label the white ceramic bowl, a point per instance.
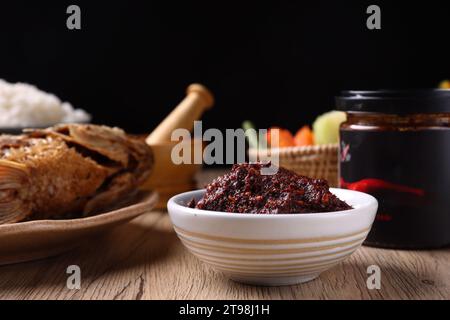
(273, 249)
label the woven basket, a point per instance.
(319, 161)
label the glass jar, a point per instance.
(395, 145)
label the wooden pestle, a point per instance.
(197, 100)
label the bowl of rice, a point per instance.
(23, 106)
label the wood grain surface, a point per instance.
(144, 259)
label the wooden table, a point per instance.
(145, 260)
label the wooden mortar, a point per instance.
(168, 178)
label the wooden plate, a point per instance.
(39, 239)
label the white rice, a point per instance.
(24, 105)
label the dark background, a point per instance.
(277, 63)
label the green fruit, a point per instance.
(326, 127)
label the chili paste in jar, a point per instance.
(395, 145)
(246, 190)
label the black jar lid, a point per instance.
(395, 101)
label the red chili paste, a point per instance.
(246, 190)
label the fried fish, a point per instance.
(68, 169)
